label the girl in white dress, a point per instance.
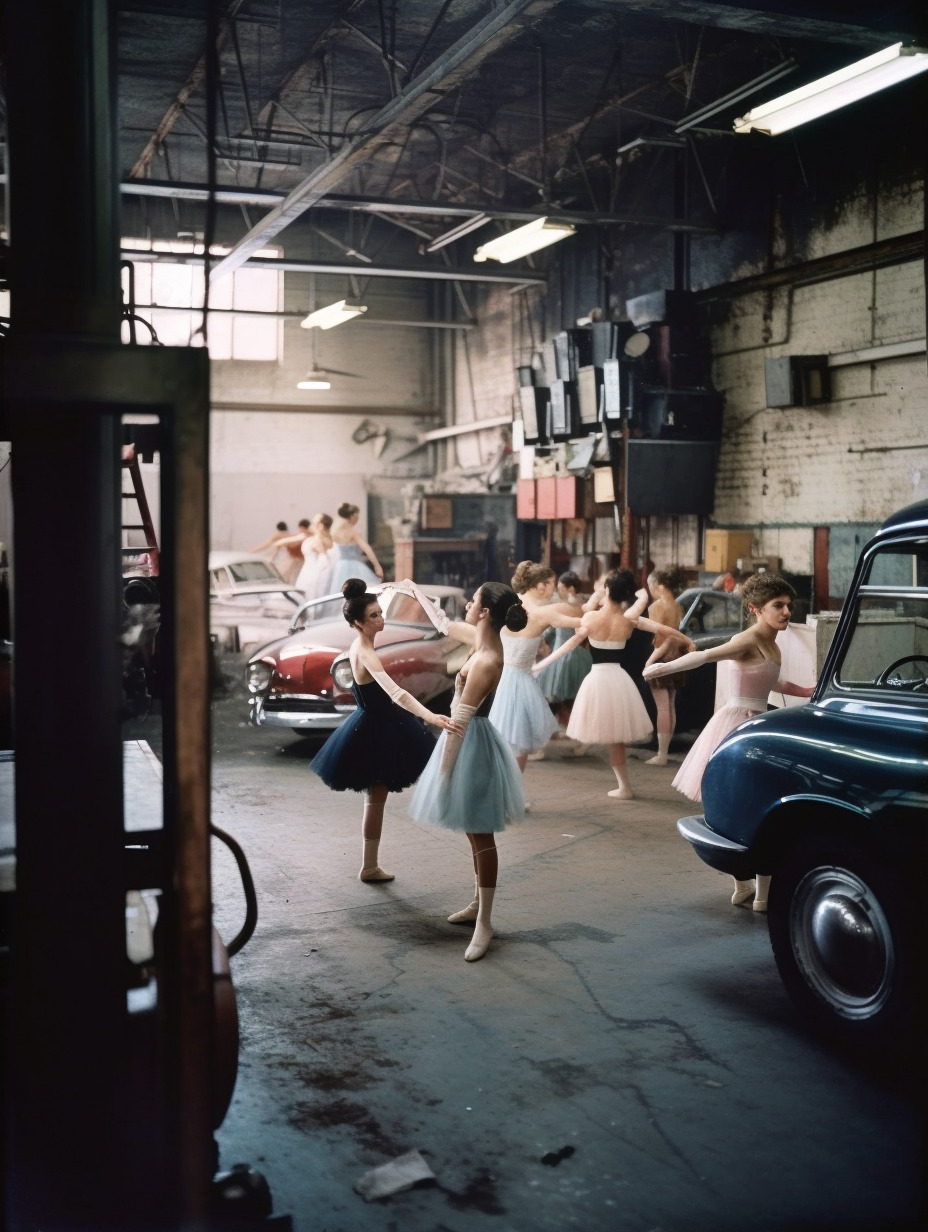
(316, 575)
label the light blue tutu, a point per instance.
(482, 794)
(520, 713)
(348, 561)
(562, 679)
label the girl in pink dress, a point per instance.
(755, 673)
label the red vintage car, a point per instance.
(299, 683)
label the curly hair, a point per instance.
(760, 588)
(502, 602)
(671, 578)
(528, 574)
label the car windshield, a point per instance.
(888, 645)
(251, 571)
(403, 609)
(714, 610)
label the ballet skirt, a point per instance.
(379, 743)
(750, 684)
(608, 708)
(480, 791)
(562, 679)
(520, 712)
(348, 561)
(315, 577)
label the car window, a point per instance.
(404, 610)
(218, 580)
(714, 611)
(251, 571)
(888, 645)
(321, 609)
(906, 565)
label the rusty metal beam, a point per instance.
(453, 67)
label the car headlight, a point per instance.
(258, 676)
(341, 674)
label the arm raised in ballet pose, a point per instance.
(365, 661)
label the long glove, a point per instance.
(695, 658)
(462, 715)
(432, 610)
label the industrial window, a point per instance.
(168, 295)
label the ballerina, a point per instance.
(667, 611)
(472, 782)
(755, 673)
(608, 708)
(381, 748)
(314, 578)
(349, 550)
(520, 712)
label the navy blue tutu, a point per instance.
(482, 794)
(381, 743)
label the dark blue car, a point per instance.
(831, 798)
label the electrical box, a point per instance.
(797, 380)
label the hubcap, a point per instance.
(842, 942)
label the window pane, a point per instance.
(889, 646)
(256, 289)
(171, 285)
(220, 336)
(253, 338)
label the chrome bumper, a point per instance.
(716, 851)
(308, 720)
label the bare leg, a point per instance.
(617, 762)
(371, 827)
(666, 721)
(486, 862)
(469, 913)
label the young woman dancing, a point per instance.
(561, 683)
(520, 712)
(666, 611)
(755, 673)
(472, 783)
(381, 747)
(608, 708)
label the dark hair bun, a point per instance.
(516, 617)
(354, 588)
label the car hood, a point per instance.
(330, 637)
(846, 749)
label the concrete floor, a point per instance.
(627, 1021)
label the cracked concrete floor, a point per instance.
(627, 1022)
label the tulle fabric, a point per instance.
(520, 712)
(746, 682)
(315, 578)
(561, 681)
(608, 708)
(348, 561)
(483, 792)
(380, 743)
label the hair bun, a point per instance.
(353, 588)
(516, 617)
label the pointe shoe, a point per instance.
(759, 904)
(466, 915)
(763, 889)
(538, 755)
(620, 793)
(659, 759)
(581, 750)
(483, 935)
(743, 891)
(375, 874)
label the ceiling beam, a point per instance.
(455, 65)
(762, 20)
(395, 205)
(434, 273)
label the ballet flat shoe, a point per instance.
(375, 874)
(741, 897)
(466, 915)
(477, 949)
(760, 904)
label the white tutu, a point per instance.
(520, 712)
(608, 708)
(483, 792)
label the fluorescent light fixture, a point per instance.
(314, 380)
(847, 85)
(332, 314)
(534, 235)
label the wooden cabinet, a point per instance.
(525, 499)
(549, 498)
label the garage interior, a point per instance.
(759, 302)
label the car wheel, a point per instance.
(844, 940)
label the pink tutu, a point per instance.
(608, 708)
(688, 778)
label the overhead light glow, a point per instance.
(332, 314)
(538, 233)
(314, 380)
(847, 85)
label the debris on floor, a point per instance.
(553, 1158)
(394, 1177)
